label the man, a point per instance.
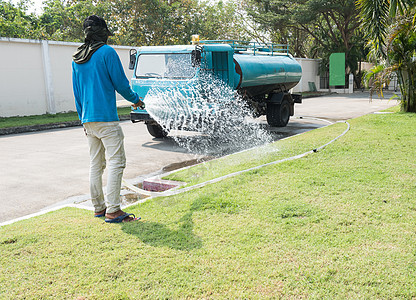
(97, 74)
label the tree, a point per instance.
(401, 53)
(15, 22)
(314, 28)
(157, 22)
(392, 34)
(62, 20)
(376, 16)
(220, 20)
(133, 22)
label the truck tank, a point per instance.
(261, 74)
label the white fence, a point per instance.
(35, 76)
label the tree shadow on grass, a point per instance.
(159, 235)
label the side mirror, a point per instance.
(196, 57)
(133, 53)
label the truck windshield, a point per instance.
(172, 66)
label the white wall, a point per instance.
(27, 88)
(22, 86)
(310, 71)
(60, 62)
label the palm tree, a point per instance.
(401, 53)
(392, 35)
(376, 16)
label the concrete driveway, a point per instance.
(39, 170)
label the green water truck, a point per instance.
(262, 75)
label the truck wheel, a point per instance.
(278, 115)
(156, 130)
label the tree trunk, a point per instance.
(412, 91)
(407, 89)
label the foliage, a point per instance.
(62, 20)
(15, 22)
(376, 16)
(156, 22)
(221, 21)
(401, 54)
(393, 43)
(377, 78)
(133, 22)
(313, 28)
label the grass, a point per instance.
(335, 224)
(7, 122)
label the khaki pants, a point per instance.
(106, 142)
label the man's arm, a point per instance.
(119, 79)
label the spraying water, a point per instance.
(211, 108)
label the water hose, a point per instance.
(173, 192)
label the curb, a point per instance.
(42, 127)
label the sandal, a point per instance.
(122, 218)
(100, 214)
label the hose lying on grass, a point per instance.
(202, 184)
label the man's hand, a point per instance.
(139, 104)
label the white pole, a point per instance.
(50, 101)
(351, 84)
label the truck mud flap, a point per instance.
(135, 117)
(297, 98)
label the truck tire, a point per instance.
(278, 115)
(156, 130)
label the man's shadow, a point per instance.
(159, 235)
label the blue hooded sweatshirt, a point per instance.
(95, 83)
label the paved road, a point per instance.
(38, 170)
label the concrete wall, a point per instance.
(22, 82)
(35, 76)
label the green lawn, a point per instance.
(47, 118)
(336, 224)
